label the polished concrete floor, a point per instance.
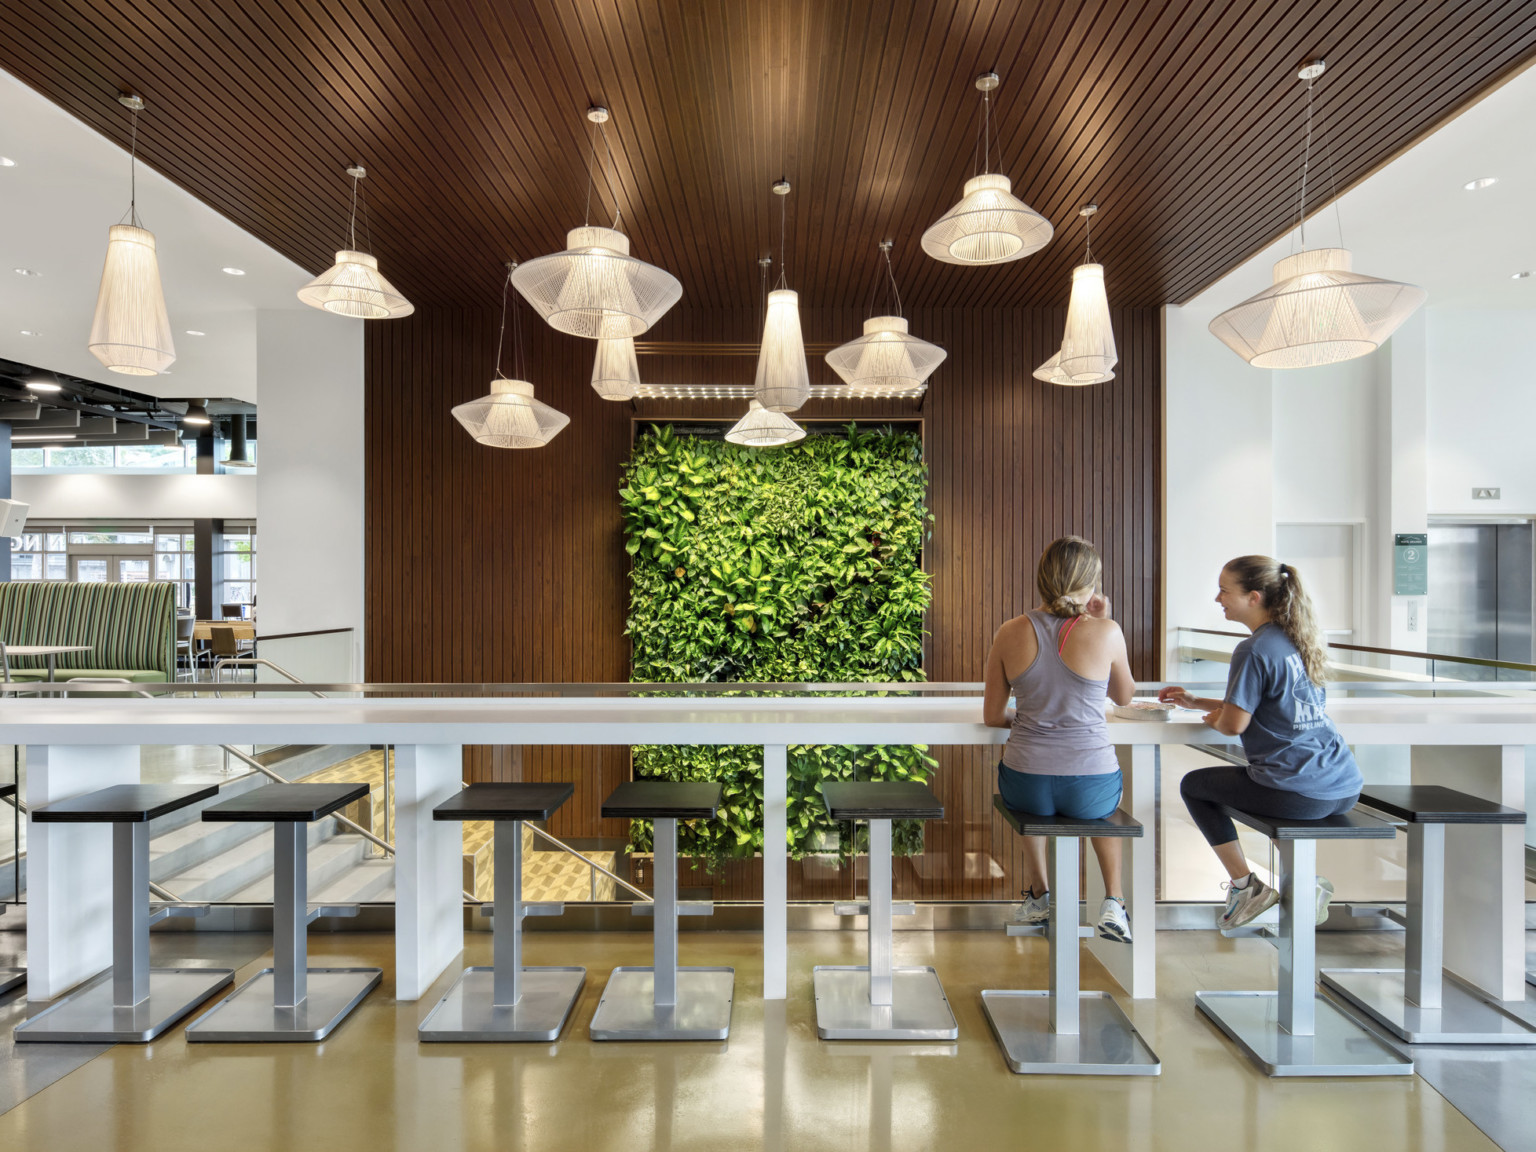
(772, 1085)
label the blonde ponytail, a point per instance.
(1290, 608)
(1068, 576)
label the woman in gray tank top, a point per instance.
(1061, 662)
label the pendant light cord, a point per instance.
(890, 279)
(1088, 229)
(618, 212)
(502, 334)
(983, 146)
(352, 219)
(1306, 160)
(133, 170)
(783, 262)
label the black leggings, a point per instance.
(1206, 788)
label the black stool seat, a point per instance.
(1349, 826)
(664, 799)
(881, 800)
(122, 804)
(1117, 823)
(505, 802)
(1432, 804)
(286, 803)
(6, 790)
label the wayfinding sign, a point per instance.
(1410, 564)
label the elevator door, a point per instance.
(1480, 596)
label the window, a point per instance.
(235, 566)
(39, 554)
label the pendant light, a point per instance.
(1318, 310)
(595, 288)
(131, 332)
(783, 381)
(352, 286)
(616, 370)
(510, 417)
(239, 446)
(764, 428)
(1087, 354)
(990, 225)
(886, 360)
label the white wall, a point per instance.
(94, 496)
(310, 479)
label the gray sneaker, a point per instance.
(1113, 922)
(1324, 895)
(1246, 903)
(1034, 910)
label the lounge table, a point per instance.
(51, 651)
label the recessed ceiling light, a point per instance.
(27, 272)
(30, 332)
(195, 332)
(43, 386)
(234, 271)
(1520, 276)
(7, 162)
(1480, 183)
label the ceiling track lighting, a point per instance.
(353, 286)
(783, 381)
(887, 360)
(1318, 310)
(1087, 354)
(510, 417)
(131, 332)
(595, 288)
(990, 225)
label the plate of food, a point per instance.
(1144, 710)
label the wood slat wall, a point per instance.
(487, 565)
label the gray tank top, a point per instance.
(1058, 725)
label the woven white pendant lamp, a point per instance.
(764, 428)
(990, 225)
(783, 380)
(1051, 372)
(616, 369)
(1318, 310)
(131, 332)
(887, 360)
(353, 285)
(595, 288)
(510, 417)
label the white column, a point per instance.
(429, 866)
(69, 867)
(1133, 965)
(1484, 867)
(1402, 483)
(775, 872)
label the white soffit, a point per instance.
(1414, 221)
(68, 185)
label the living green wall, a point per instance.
(801, 563)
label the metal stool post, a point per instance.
(11, 977)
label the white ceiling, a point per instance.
(67, 187)
(1413, 220)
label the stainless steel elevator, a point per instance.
(1481, 595)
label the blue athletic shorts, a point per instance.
(1081, 797)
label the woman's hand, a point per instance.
(1177, 696)
(1210, 719)
(1098, 606)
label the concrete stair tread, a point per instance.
(223, 876)
(342, 875)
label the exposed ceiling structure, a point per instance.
(1180, 118)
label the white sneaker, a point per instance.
(1034, 910)
(1324, 894)
(1113, 922)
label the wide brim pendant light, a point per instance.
(887, 360)
(616, 370)
(1051, 372)
(510, 417)
(595, 288)
(990, 225)
(763, 428)
(1318, 310)
(783, 380)
(131, 330)
(353, 285)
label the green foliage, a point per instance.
(792, 565)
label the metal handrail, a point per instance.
(1474, 660)
(590, 863)
(253, 661)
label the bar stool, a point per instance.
(289, 1001)
(878, 1001)
(665, 1002)
(131, 1002)
(1296, 1031)
(1416, 1003)
(10, 977)
(1065, 1030)
(506, 1001)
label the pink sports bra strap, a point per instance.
(1065, 632)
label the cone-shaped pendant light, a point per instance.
(595, 288)
(131, 332)
(1087, 354)
(510, 417)
(616, 370)
(783, 381)
(1318, 310)
(990, 225)
(762, 428)
(886, 360)
(353, 286)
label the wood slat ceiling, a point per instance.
(1180, 118)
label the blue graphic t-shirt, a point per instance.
(1290, 742)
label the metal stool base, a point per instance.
(11, 978)
(1106, 1044)
(89, 1016)
(918, 1010)
(628, 1010)
(248, 1016)
(1340, 1046)
(1464, 1016)
(469, 1012)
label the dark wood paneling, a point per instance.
(487, 565)
(1181, 118)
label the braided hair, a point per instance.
(1290, 608)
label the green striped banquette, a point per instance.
(131, 628)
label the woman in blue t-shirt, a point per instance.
(1299, 767)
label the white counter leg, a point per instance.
(775, 872)
(69, 867)
(429, 866)
(1133, 965)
